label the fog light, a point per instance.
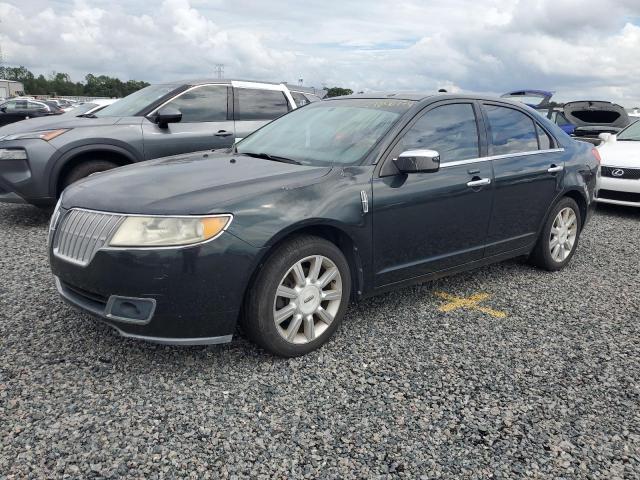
(132, 310)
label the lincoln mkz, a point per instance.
(333, 202)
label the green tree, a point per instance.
(59, 83)
(338, 92)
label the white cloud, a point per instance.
(579, 48)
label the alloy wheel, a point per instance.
(564, 232)
(307, 299)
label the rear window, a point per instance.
(511, 131)
(254, 104)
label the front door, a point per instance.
(427, 222)
(528, 173)
(206, 124)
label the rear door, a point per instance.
(206, 123)
(528, 171)
(426, 222)
(255, 107)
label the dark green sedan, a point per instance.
(333, 202)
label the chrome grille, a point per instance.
(81, 233)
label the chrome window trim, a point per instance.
(499, 157)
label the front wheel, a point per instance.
(559, 238)
(299, 297)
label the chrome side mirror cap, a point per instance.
(415, 161)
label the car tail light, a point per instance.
(596, 154)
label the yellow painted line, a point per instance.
(471, 303)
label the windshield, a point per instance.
(80, 109)
(136, 102)
(326, 133)
(632, 132)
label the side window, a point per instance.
(9, 106)
(202, 104)
(36, 106)
(451, 130)
(254, 104)
(544, 140)
(300, 99)
(511, 131)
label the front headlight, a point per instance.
(168, 231)
(42, 135)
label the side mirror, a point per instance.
(167, 115)
(414, 161)
(607, 137)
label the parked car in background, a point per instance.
(157, 121)
(592, 118)
(63, 104)
(619, 181)
(87, 109)
(18, 109)
(584, 119)
(338, 200)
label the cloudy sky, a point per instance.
(579, 48)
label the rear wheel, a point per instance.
(559, 238)
(299, 297)
(85, 169)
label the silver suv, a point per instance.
(41, 156)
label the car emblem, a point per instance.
(618, 172)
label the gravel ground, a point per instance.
(550, 391)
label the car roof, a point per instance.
(417, 97)
(226, 81)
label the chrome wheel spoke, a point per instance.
(294, 327)
(332, 295)
(325, 316)
(314, 271)
(286, 292)
(284, 313)
(309, 327)
(298, 275)
(328, 276)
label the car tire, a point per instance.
(559, 237)
(291, 308)
(85, 169)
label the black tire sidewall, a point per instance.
(259, 322)
(87, 168)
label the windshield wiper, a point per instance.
(274, 158)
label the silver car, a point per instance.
(40, 157)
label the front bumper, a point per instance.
(197, 291)
(619, 191)
(27, 180)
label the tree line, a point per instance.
(60, 84)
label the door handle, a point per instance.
(479, 183)
(555, 168)
(223, 133)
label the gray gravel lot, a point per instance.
(403, 390)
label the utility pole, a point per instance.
(300, 82)
(219, 70)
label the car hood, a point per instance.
(193, 184)
(587, 113)
(53, 122)
(623, 153)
